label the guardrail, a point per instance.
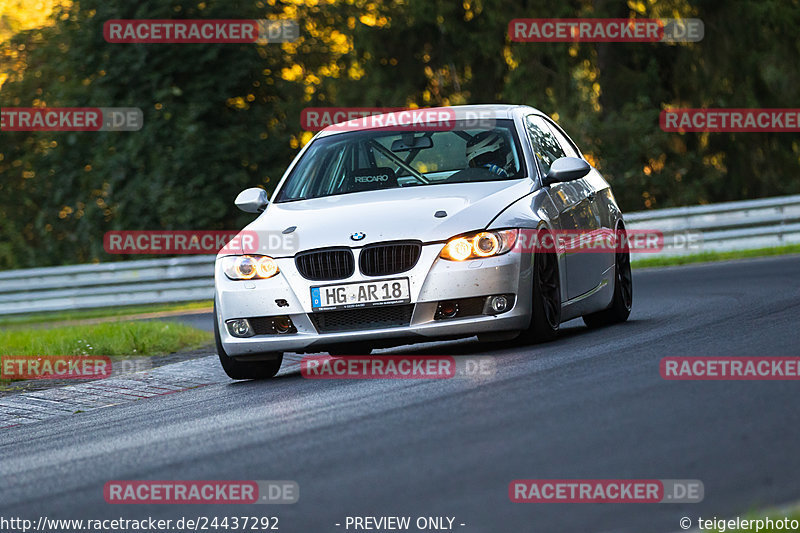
(744, 225)
(148, 281)
(727, 226)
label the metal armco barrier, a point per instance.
(745, 225)
(149, 281)
(728, 226)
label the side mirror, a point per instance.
(566, 169)
(253, 200)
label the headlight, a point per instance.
(479, 245)
(249, 267)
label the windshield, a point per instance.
(380, 159)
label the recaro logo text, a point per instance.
(371, 179)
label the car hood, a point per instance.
(387, 215)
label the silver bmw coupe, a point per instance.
(410, 229)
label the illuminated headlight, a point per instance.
(479, 245)
(238, 267)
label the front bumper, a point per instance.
(432, 280)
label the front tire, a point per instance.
(246, 369)
(546, 300)
(621, 304)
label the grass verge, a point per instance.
(137, 338)
(59, 316)
(775, 515)
(708, 257)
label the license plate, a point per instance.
(362, 294)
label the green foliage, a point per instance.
(220, 118)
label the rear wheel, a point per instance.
(266, 367)
(620, 308)
(546, 303)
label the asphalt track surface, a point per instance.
(590, 405)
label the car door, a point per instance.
(546, 150)
(575, 204)
(586, 267)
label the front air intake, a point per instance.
(389, 258)
(326, 264)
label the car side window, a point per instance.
(568, 147)
(545, 146)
